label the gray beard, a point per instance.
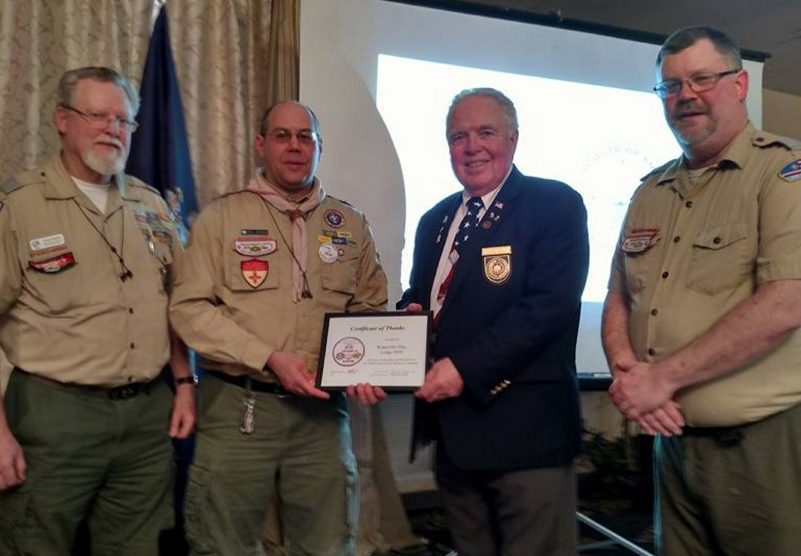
(104, 167)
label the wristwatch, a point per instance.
(191, 379)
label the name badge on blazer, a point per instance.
(497, 263)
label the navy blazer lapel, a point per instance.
(494, 218)
(440, 227)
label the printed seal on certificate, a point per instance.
(348, 351)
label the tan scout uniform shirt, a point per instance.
(65, 312)
(691, 253)
(236, 323)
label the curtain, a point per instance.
(233, 58)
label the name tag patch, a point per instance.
(639, 240)
(39, 243)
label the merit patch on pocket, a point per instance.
(54, 264)
(254, 272)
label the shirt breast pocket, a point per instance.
(719, 259)
(338, 281)
(58, 283)
(639, 264)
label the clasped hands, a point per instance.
(643, 394)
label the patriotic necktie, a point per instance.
(466, 226)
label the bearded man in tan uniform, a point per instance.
(85, 256)
(262, 268)
(701, 320)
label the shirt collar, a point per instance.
(489, 197)
(736, 154)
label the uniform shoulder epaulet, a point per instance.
(347, 204)
(658, 170)
(136, 182)
(763, 139)
(230, 193)
(11, 184)
(21, 180)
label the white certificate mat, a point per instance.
(383, 349)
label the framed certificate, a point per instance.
(383, 349)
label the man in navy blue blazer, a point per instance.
(502, 265)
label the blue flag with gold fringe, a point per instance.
(159, 148)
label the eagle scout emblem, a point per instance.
(328, 253)
(334, 218)
(639, 240)
(497, 263)
(791, 172)
(254, 272)
(53, 264)
(255, 246)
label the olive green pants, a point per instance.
(299, 451)
(731, 492)
(89, 457)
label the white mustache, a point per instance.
(109, 139)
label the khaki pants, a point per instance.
(731, 492)
(89, 457)
(299, 452)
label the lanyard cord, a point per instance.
(126, 272)
(306, 293)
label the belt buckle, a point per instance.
(123, 392)
(280, 392)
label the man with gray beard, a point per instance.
(85, 259)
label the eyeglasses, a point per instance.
(100, 121)
(284, 136)
(698, 83)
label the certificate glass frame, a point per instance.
(389, 349)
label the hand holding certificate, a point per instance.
(389, 350)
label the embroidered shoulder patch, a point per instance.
(791, 172)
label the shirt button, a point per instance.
(665, 274)
(688, 204)
(716, 240)
(133, 345)
(651, 351)
(676, 239)
(130, 310)
(654, 312)
(130, 379)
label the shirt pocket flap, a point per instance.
(720, 236)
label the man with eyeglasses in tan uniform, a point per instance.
(85, 255)
(262, 268)
(701, 320)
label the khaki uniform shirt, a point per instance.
(232, 300)
(691, 253)
(65, 312)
